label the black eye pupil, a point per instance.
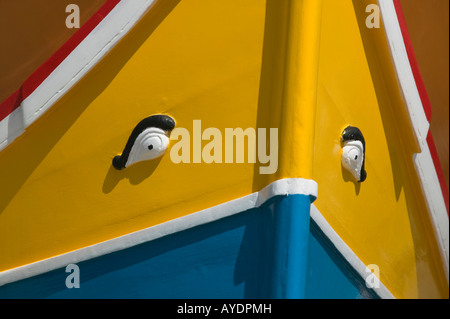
(356, 157)
(150, 147)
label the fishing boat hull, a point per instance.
(199, 149)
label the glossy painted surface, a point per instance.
(428, 28)
(290, 226)
(198, 59)
(384, 219)
(31, 31)
(71, 147)
(215, 79)
(329, 276)
(231, 258)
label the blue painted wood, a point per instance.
(291, 233)
(329, 275)
(228, 258)
(241, 256)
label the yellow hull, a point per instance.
(308, 68)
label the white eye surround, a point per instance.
(353, 153)
(352, 158)
(149, 140)
(151, 143)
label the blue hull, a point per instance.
(275, 251)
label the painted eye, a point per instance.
(353, 158)
(354, 154)
(155, 143)
(148, 140)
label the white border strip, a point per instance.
(403, 67)
(74, 67)
(423, 161)
(346, 252)
(435, 201)
(280, 187)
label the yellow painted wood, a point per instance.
(193, 60)
(196, 59)
(384, 219)
(299, 95)
(252, 63)
(288, 84)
